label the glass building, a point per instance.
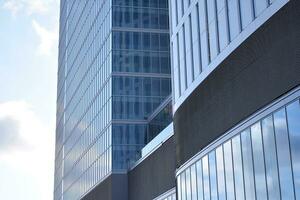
(230, 128)
(257, 159)
(113, 72)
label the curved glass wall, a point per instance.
(205, 32)
(259, 159)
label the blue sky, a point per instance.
(28, 68)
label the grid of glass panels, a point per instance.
(141, 73)
(160, 121)
(83, 145)
(202, 29)
(114, 70)
(260, 162)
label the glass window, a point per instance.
(220, 173)
(137, 40)
(206, 184)
(270, 158)
(183, 187)
(194, 182)
(212, 29)
(238, 168)
(283, 151)
(188, 184)
(164, 42)
(154, 21)
(196, 40)
(229, 171)
(293, 116)
(222, 24)
(233, 14)
(199, 180)
(260, 6)
(146, 41)
(204, 34)
(258, 160)
(247, 13)
(163, 18)
(163, 3)
(213, 176)
(179, 187)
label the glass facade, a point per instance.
(113, 72)
(141, 73)
(259, 159)
(205, 32)
(160, 120)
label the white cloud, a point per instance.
(48, 39)
(28, 130)
(29, 7)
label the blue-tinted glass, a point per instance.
(222, 24)
(199, 180)
(164, 42)
(270, 158)
(220, 173)
(154, 18)
(183, 187)
(154, 3)
(229, 170)
(206, 183)
(163, 3)
(234, 22)
(293, 116)
(179, 187)
(284, 159)
(213, 176)
(194, 182)
(258, 160)
(155, 63)
(146, 18)
(146, 41)
(146, 62)
(154, 41)
(163, 19)
(188, 184)
(247, 14)
(238, 167)
(260, 6)
(136, 16)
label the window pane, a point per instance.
(213, 176)
(206, 178)
(188, 183)
(283, 151)
(259, 6)
(183, 188)
(179, 187)
(293, 113)
(238, 167)
(270, 158)
(229, 171)
(258, 159)
(199, 180)
(233, 14)
(194, 182)
(220, 173)
(222, 23)
(246, 12)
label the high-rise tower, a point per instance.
(114, 71)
